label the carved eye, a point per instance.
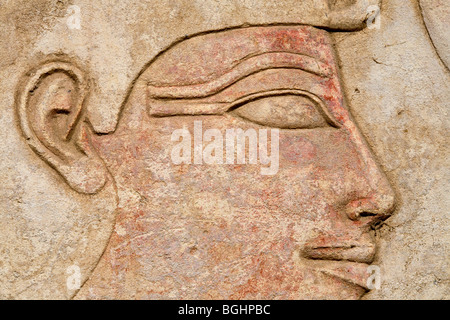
(284, 111)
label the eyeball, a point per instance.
(283, 111)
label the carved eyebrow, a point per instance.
(245, 68)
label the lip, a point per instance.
(347, 261)
(354, 273)
(363, 253)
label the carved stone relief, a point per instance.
(226, 230)
(231, 167)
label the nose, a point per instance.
(379, 201)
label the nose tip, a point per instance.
(379, 206)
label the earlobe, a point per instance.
(50, 108)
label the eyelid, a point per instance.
(322, 108)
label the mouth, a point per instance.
(346, 262)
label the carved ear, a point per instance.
(50, 110)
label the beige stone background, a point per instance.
(396, 84)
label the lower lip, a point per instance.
(354, 273)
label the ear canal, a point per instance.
(50, 107)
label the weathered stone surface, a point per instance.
(436, 15)
(399, 93)
(91, 185)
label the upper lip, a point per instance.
(332, 248)
(363, 253)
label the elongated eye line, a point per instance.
(182, 107)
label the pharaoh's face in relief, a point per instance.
(198, 229)
(225, 230)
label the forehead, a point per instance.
(209, 72)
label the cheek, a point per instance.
(327, 149)
(325, 163)
(297, 150)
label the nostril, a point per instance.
(370, 209)
(356, 215)
(372, 219)
(367, 214)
